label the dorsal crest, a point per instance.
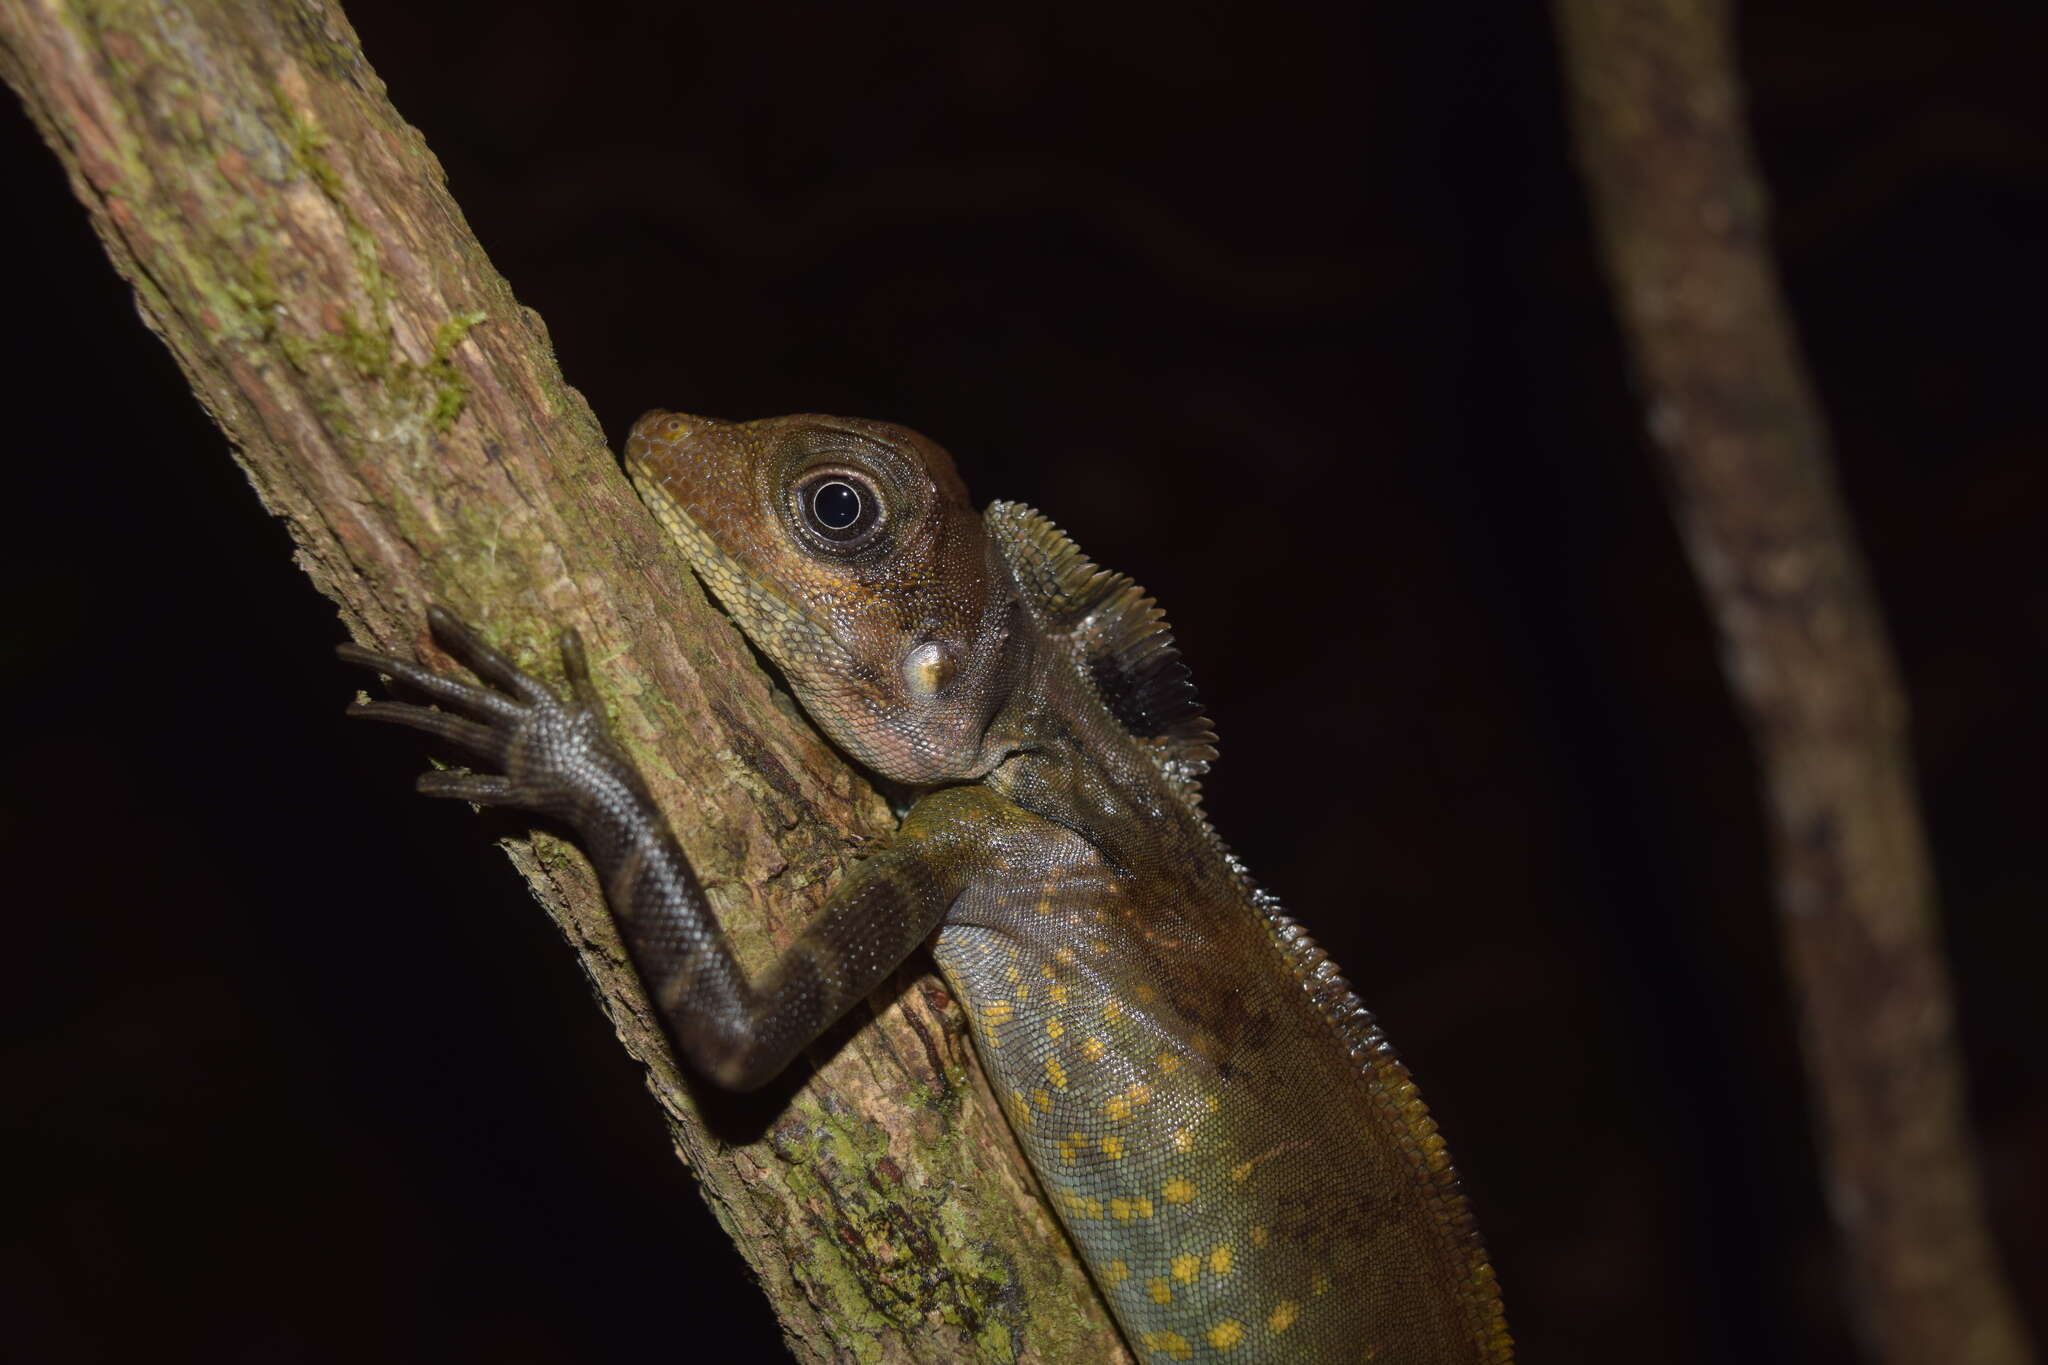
(1118, 640)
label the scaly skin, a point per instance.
(1243, 1163)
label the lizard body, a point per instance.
(1242, 1162)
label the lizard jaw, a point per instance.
(779, 627)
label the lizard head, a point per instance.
(847, 551)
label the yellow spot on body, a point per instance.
(1116, 1108)
(1159, 1289)
(1020, 1107)
(1056, 1073)
(1219, 1259)
(1052, 887)
(1211, 1103)
(997, 1011)
(1054, 1028)
(1059, 992)
(1113, 1147)
(1186, 1267)
(1081, 1205)
(1123, 1210)
(1170, 1344)
(1116, 1272)
(1139, 1092)
(1283, 1315)
(1023, 994)
(1259, 1235)
(1013, 976)
(1063, 955)
(1179, 1190)
(1146, 995)
(1041, 1099)
(1143, 1205)
(1241, 1173)
(1112, 1010)
(1093, 1049)
(1225, 1335)
(1046, 971)
(1072, 1145)
(1096, 945)
(1319, 1283)
(1183, 1141)
(1168, 1063)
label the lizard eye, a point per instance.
(835, 506)
(839, 508)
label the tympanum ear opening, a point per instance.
(928, 668)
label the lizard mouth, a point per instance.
(657, 438)
(657, 459)
(654, 455)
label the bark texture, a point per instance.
(1681, 215)
(292, 242)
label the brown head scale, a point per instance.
(848, 552)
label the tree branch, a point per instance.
(291, 240)
(1680, 211)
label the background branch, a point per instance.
(291, 241)
(1681, 214)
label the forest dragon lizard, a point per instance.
(1245, 1166)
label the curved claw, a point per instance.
(442, 688)
(469, 649)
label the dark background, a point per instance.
(1289, 313)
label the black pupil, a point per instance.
(836, 505)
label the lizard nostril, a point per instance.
(661, 423)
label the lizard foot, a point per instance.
(542, 753)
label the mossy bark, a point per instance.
(1680, 209)
(292, 242)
